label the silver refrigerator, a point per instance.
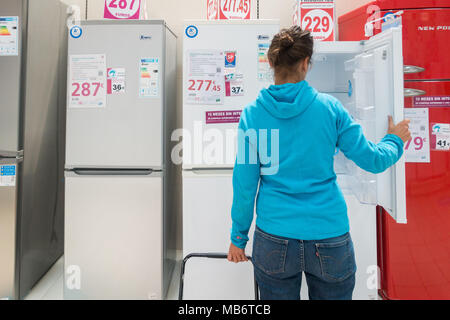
(33, 53)
(121, 109)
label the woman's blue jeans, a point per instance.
(329, 266)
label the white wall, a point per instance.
(174, 12)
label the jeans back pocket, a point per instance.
(269, 252)
(337, 259)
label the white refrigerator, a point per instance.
(119, 229)
(367, 77)
(213, 50)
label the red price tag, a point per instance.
(317, 17)
(122, 9)
(418, 143)
(212, 9)
(86, 89)
(319, 22)
(203, 85)
(234, 9)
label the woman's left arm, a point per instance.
(246, 177)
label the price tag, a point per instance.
(206, 81)
(234, 85)
(116, 80)
(87, 80)
(234, 9)
(203, 85)
(418, 148)
(228, 9)
(212, 10)
(443, 142)
(122, 9)
(441, 136)
(318, 17)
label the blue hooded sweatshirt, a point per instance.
(298, 195)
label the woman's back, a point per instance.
(298, 195)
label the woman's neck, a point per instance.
(296, 78)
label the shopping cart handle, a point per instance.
(210, 256)
(207, 256)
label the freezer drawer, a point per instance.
(207, 199)
(113, 233)
(8, 227)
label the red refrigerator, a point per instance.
(414, 259)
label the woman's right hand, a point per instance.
(401, 129)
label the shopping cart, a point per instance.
(209, 256)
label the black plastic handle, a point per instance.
(208, 256)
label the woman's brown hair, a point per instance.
(290, 47)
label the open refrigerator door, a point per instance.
(367, 77)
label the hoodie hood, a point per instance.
(287, 100)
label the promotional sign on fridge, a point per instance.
(316, 16)
(413, 259)
(120, 112)
(31, 149)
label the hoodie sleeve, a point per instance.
(367, 155)
(246, 177)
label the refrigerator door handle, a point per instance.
(413, 69)
(414, 92)
(113, 172)
(11, 154)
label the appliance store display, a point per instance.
(119, 232)
(32, 91)
(108, 142)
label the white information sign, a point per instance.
(418, 148)
(149, 78)
(87, 81)
(9, 39)
(206, 78)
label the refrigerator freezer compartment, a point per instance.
(207, 202)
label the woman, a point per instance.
(302, 223)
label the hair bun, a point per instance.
(286, 41)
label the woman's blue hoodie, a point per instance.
(298, 194)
